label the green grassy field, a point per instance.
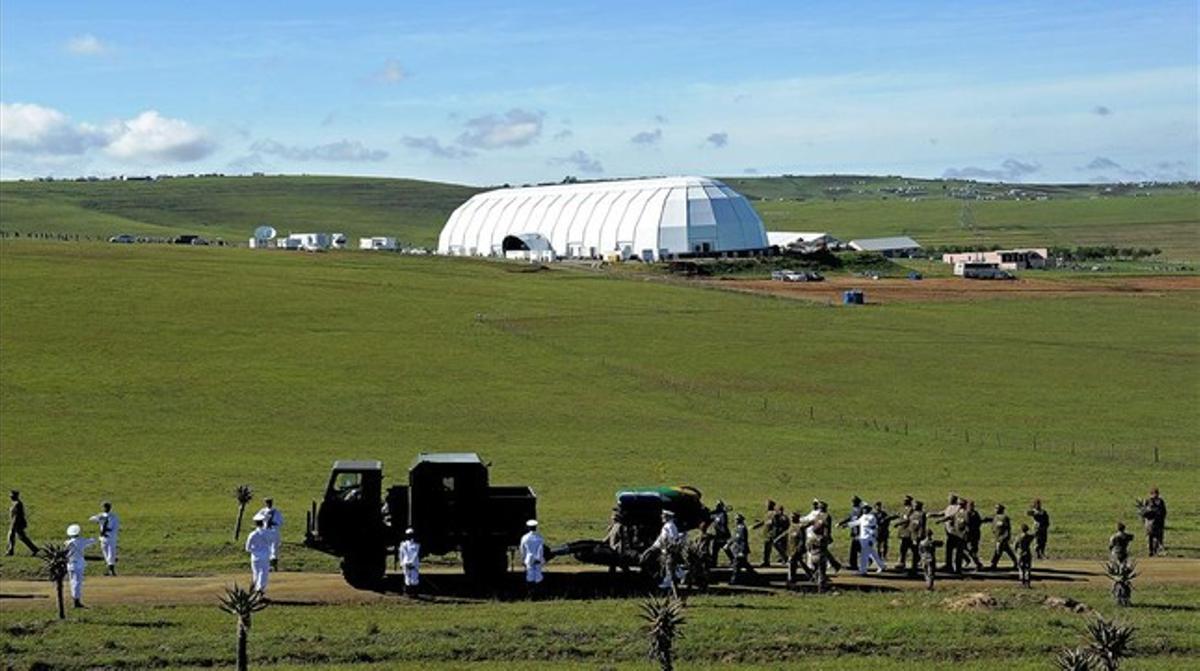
(162, 376)
(846, 631)
(1166, 216)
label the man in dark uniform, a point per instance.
(795, 534)
(719, 532)
(1002, 533)
(1041, 527)
(916, 531)
(17, 524)
(855, 511)
(884, 529)
(974, 529)
(902, 532)
(1154, 515)
(1025, 555)
(1118, 544)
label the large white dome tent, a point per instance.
(647, 218)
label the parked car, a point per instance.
(123, 239)
(190, 239)
(987, 274)
(796, 276)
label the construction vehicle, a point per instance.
(448, 502)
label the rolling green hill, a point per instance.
(935, 212)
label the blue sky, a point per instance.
(483, 93)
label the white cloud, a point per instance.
(515, 128)
(151, 137)
(87, 45)
(32, 129)
(341, 151)
(1009, 171)
(718, 140)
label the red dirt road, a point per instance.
(940, 289)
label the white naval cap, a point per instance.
(531, 523)
(73, 530)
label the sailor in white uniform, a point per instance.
(258, 544)
(75, 562)
(110, 524)
(867, 524)
(533, 553)
(274, 521)
(410, 561)
(670, 543)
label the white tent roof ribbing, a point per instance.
(671, 215)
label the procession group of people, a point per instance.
(802, 542)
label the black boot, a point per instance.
(79, 604)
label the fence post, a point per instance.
(1156, 454)
(810, 413)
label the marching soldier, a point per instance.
(17, 524)
(883, 530)
(670, 544)
(617, 539)
(719, 532)
(826, 522)
(927, 549)
(974, 531)
(738, 549)
(768, 536)
(796, 541)
(1041, 527)
(904, 533)
(848, 522)
(953, 537)
(917, 525)
(1025, 555)
(1002, 532)
(1152, 509)
(110, 524)
(1118, 544)
(75, 562)
(816, 542)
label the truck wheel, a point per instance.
(485, 564)
(364, 570)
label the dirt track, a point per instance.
(566, 581)
(957, 289)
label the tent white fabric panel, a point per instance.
(662, 216)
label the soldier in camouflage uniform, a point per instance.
(1118, 544)
(1025, 555)
(795, 539)
(1002, 533)
(767, 526)
(916, 531)
(1041, 527)
(718, 533)
(816, 543)
(927, 550)
(738, 549)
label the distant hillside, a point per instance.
(935, 212)
(231, 207)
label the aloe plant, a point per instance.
(664, 617)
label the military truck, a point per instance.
(448, 502)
